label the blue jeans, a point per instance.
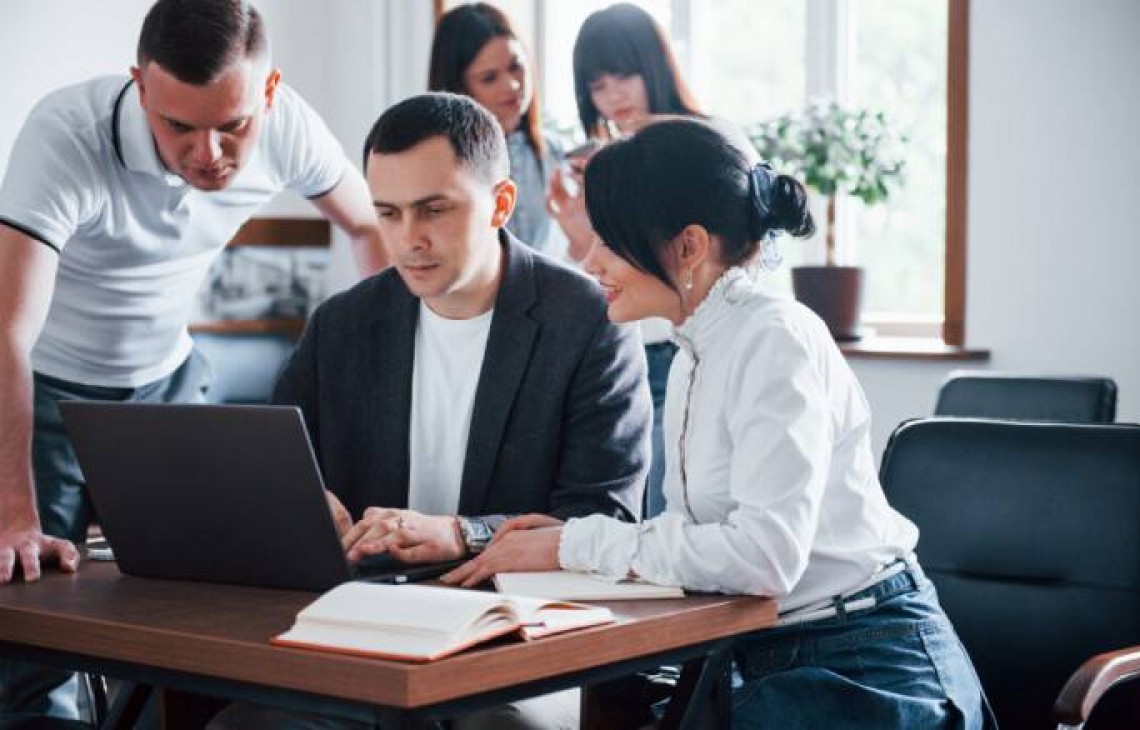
(659, 356)
(28, 690)
(896, 665)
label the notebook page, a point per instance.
(573, 586)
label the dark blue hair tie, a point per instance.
(761, 180)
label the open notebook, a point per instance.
(423, 623)
(566, 585)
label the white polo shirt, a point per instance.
(135, 241)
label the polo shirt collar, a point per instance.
(134, 142)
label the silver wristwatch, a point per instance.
(476, 533)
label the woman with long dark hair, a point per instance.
(477, 52)
(625, 72)
(770, 480)
(626, 76)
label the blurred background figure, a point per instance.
(477, 52)
(625, 76)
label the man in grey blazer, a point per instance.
(473, 380)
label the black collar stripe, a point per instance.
(116, 139)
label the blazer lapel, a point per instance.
(394, 347)
(509, 345)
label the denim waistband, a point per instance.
(910, 578)
(905, 575)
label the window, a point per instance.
(749, 60)
(899, 65)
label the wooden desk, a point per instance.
(213, 640)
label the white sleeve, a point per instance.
(52, 184)
(308, 158)
(779, 423)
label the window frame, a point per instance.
(827, 49)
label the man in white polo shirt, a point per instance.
(118, 195)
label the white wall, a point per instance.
(1054, 257)
(1053, 282)
(38, 52)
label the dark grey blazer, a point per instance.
(562, 412)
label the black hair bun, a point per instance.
(790, 210)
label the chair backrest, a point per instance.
(1031, 534)
(987, 394)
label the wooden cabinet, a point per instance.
(279, 233)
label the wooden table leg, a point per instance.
(186, 711)
(620, 704)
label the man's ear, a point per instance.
(506, 193)
(271, 83)
(137, 75)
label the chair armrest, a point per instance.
(1088, 684)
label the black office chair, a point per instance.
(989, 394)
(1031, 534)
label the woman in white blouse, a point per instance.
(770, 481)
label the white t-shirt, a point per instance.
(135, 241)
(448, 360)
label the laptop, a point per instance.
(216, 493)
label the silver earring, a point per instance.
(689, 281)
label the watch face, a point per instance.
(481, 530)
(476, 533)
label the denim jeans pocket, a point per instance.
(757, 658)
(956, 673)
(890, 657)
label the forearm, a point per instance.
(348, 206)
(17, 490)
(610, 500)
(733, 556)
(578, 243)
(368, 251)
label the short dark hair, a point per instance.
(474, 133)
(460, 35)
(624, 40)
(197, 40)
(641, 192)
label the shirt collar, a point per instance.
(699, 328)
(134, 143)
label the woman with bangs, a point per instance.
(625, 73)
(476, 52)
(771, 484)
(625, 77)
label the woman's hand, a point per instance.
(406, 535)
(569, 211)
(525, 522)
(524, 544)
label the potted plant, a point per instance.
(834, 150)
